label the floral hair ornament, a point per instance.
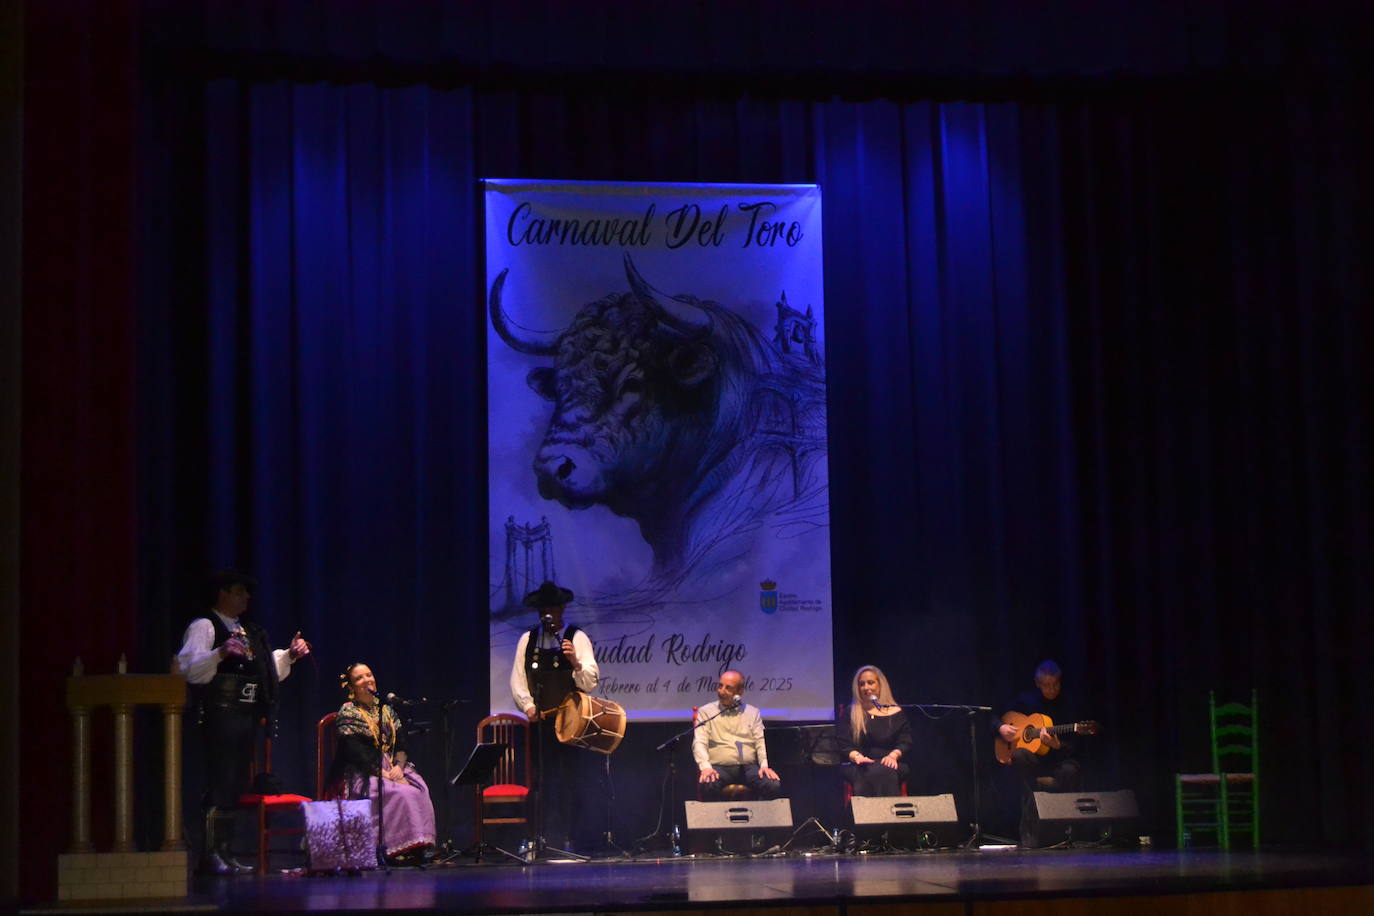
(346, 677)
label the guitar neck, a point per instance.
(1058, 730)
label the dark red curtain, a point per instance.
(78, 525)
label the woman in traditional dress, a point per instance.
(875, 736)
(372, 744)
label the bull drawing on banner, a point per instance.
(679, 414)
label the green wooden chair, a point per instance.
(1224, 802)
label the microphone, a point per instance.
(550, 629)
(877, 704)
(395, 700)
(241, 636)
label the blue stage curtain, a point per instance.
(1093, 366)
(343, 355)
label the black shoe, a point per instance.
(239, 867)
(213, 865)
(217, 859)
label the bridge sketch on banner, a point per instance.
(657, 402)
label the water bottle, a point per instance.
(677, 841)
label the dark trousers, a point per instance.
(575, 796)
(747, 775)
(227, 736)
(875, 779)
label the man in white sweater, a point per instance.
(728, 745)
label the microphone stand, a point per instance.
(975, 838)
(674, 834)
(382, 863)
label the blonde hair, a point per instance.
(857, 722)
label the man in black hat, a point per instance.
(551, 662)
(233, 674)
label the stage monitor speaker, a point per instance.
(926, 821)
(1085, 816)
(738, 826)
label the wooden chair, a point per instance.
(841, 714)
(325, 733)
(1226, 798)
(510, 784)
(267, 805)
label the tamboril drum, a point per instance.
(590, 722)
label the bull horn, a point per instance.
(683, 314)
(536, 343)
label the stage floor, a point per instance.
(958, 881)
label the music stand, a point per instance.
(477, 773)
(818, 746)
(822, 745)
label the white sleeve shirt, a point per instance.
(199, 659)
(585, 679)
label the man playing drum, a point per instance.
(551, 662)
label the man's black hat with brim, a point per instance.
(225, 579)
(548, 595)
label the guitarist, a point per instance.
(1060, 764)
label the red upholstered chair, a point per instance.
(267, 805)
(325, 735)
(510, 786)
(849, 790)
(841, 713)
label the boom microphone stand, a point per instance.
(976, 836)
(674, 835)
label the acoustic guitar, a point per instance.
(1030, 731)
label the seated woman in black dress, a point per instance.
(875, 736)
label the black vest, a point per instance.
(548, 672)
(247, 684)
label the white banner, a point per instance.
(657, 423)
